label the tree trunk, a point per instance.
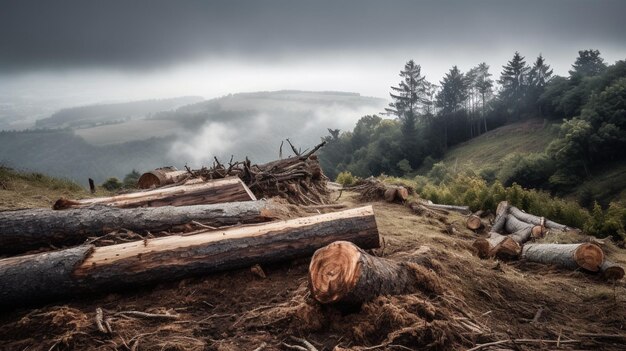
(611, 271)
(160, 177)
(520, 231)
(210, 192)
(461, 209)
(571, 256)
(396, 193)
(501, 213)
(528, 218)
(58, 274)
(28, 229)
(343, 273)
(497, 245)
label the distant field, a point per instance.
(491, 147)
(127, 131)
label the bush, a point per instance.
(130, 180)
(438, 173)
(532, 170)
(112, 184)
(346, 178)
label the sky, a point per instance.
(79, 52)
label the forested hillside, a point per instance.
(583, 122)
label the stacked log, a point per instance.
(298, 179)
(216, 191)
(29, 229)
(161, 177)
(63, 273)
(513, 229)
(372, 189)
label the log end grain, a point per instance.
(473, 222)
(589, 256)
(538, 231)
(612, 272)
(334, 271)
(390, 194)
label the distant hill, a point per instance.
(94, 115)
(247, 124)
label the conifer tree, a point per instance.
(588, 63)
(484, 86)
(407, 99)
(514, 81)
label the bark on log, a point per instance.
(210, 192)
(501, 213)
(396, 193)
(611, 270)
(571, 256)
(532, 219)
(520, 231)
(343, 273)
(461, 209)
(160, 177)
(39, 277)
(28, 229)
(497, 245)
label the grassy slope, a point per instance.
(26, 190)
(607, 183)
(491, 147)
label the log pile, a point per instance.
(24, 230)
(216, 191)
(514, 230)
(372, 189)
(298, 179)
(83, 269)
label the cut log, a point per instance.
(474, 222)
(520, 231)
(372, 189)
(571, 256)
(497, 245)
(611, 270)
(38, 277)
(343, 273)
(501, 213)
(28, 229)
(211, 192)
(461, 209)
(396, 193)
(536, 220)
(160, 177)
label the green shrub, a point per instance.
(130, 180)
(346, 178)
(112, 184)
(532, 170)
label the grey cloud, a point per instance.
(139, 35)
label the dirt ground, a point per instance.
(515, 305)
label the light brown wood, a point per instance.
(83, 269)
(210, 192)
(160, 177)
(497, 245)
(341, 272)
(474, 222)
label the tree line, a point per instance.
(429, 118)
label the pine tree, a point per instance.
(588, 63)
(540, 74)
(484, 86)
(408, 98)
(451, 97)
(514, 81)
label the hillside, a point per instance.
(481, 302)
(490, 148)
(191, 134)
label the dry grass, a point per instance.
(482, 301)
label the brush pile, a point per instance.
(298, 179)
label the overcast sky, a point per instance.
(89, 51)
